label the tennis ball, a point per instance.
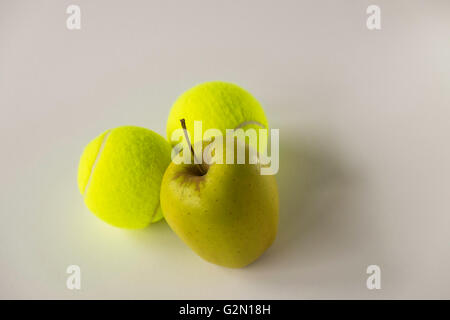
(218, 105)
(120, 174)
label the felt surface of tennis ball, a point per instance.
(219, 105)
(120, 174)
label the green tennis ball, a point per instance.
(218, 105)
(120, 174)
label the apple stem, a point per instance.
(200, 167)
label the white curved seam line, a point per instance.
(95, 162)
(243, 124)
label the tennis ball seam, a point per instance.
(245, 123)
(100, 150)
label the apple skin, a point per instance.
(229, 216)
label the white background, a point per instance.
(364, 129)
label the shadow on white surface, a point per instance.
(322, 235)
